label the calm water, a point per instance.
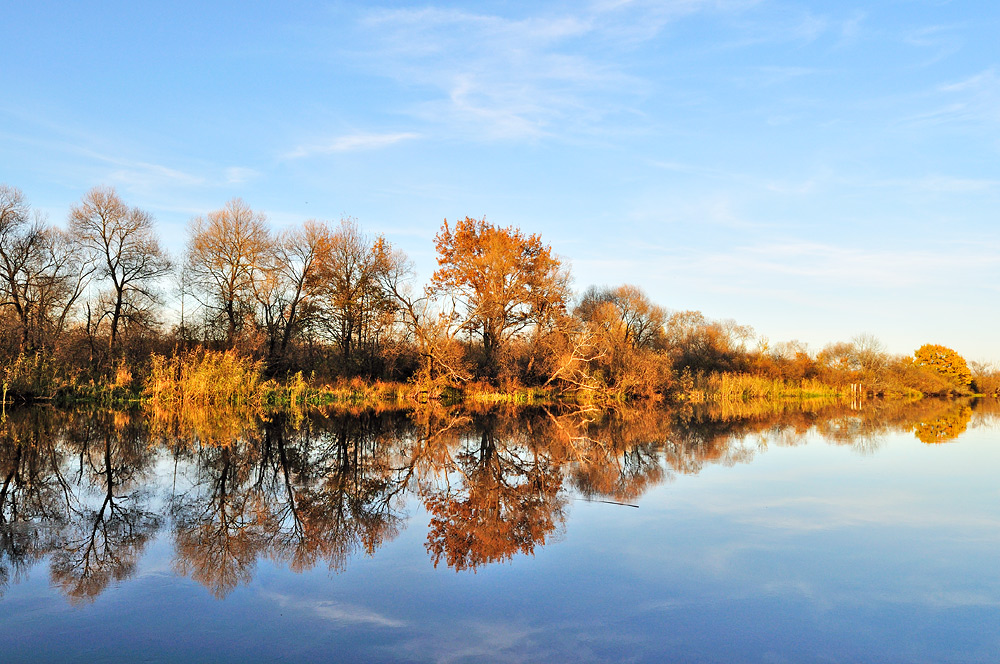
(818, 535)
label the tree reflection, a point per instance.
(89, 490)
(946, 424)
(104, 538)
(320, 491)
(613, 455)
(499, 497)
(33, 497)
(214, 522)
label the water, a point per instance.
(812, 535)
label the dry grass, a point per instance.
(740, 387)
(206, 377)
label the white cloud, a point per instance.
(495, 77)
(351, 143)
(973, 101)
(239, 174)
(826, 263)
(337, 612)
(142, 176)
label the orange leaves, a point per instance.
(503, 280)
(945, 362)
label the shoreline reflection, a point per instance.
(89, 490)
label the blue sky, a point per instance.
(813, 169)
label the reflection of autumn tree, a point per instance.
(944, 425)
(610, 454)
(506, 500)
(865, 429)
(105, 538)
(296, 494)
(695, 443)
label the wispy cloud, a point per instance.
(337, 612)
(497, 77)
(973, 101)
(940, 41)
(352, 143)
(143, 175)
(939, 184)
(152, 179)
(239, 174)
(844, 264)
(768, 76)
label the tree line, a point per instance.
(335, 302)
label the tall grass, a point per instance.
(227, 378)
(34, 376)
(741, 387)
(206, 377)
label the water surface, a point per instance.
(817, 534)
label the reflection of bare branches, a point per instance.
(321, 490)
(215, 543)
(103, 544)
(89, 558)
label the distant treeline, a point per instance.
(83, 307)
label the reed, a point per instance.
(206, 377)
(33, 376)
(742, 387)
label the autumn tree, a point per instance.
(42, 271)
(299, 252)
(228, 251)
(620, 346)
(357, 313)
(124, 245)
(699, 344)
(637, 320)
(946, 363)
(986, 377)
(502, 281)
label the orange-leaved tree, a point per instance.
(502, 280)
(945, 362)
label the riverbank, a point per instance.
(226, 378)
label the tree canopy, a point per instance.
(503, 281)
(945, 362)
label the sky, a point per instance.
(815, 170)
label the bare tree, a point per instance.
(299, 252)
(226, 252)
(21, 245)
(42, 271)
(128, 254)
(355, 309)
(432, 328)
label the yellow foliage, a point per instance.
(206, 377)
